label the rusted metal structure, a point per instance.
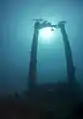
(33, 56)
(68, 54)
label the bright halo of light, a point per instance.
(46, 33)
(49, 35)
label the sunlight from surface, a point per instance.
(48, 35)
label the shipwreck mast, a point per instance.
(68, 54)
(33, 57)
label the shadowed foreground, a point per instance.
(57, 101)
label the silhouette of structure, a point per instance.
(33, 58)
(68, 54)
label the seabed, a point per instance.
(60, 98)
